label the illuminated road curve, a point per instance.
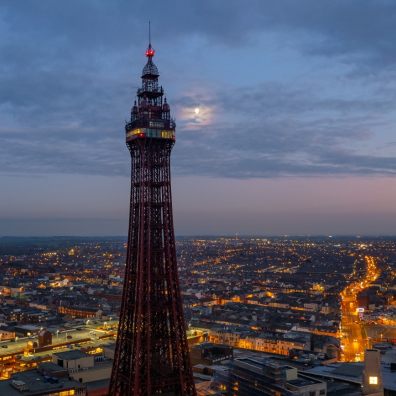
(353, 339)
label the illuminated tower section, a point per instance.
(151, 356)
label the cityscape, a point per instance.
(220, 224)
(311, 303)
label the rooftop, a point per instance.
(31, 383)
(302, 381)
(71, 355)
(352, 373)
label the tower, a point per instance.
(151, 356)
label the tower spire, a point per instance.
(150, 50)
(149, 33)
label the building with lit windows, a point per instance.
(264, 343)
(38, 383)
(252, 376)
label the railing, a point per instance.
(153, 90)
(145, 123)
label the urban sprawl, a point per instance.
(299, 313)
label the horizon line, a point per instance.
(235, 235)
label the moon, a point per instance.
(196, 110)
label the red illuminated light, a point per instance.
(150, 52)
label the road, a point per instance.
(354, 340)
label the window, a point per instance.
(67, 393)
(373, 380)
(167, 134)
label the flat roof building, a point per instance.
(36, 383)
(253, 376)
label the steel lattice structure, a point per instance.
(151, 356)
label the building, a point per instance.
(78, 312)
(151, 355)
(44, 338)
(253, 376)
(279, 344)
(38, 383)
(208, 353)
(74, 360)
(87, 369)
(372, 379)
(353, 374)
(6, 335)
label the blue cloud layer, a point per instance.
(67, 81)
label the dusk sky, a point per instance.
(295, 134)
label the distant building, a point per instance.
(37, 383)
(208, 353)
(6, 335)
(73, 360)
(85, 369)
(44, 338)
(26, 330)
(353, 374)
(264, 343)
(78, 312)
(252, 376)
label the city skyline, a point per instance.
(285, 119)
(302, 302)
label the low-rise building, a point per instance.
(36, 383)
(253, 376)
(74, 360)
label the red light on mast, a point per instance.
(150, 52)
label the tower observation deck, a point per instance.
(151, 355)
(150, 115)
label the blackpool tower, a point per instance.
(151, 355)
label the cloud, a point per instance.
(267, 150)
(277, 130)
(337, 26)
(266, 131)
(67, 79)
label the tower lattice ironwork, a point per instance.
(151, 355)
